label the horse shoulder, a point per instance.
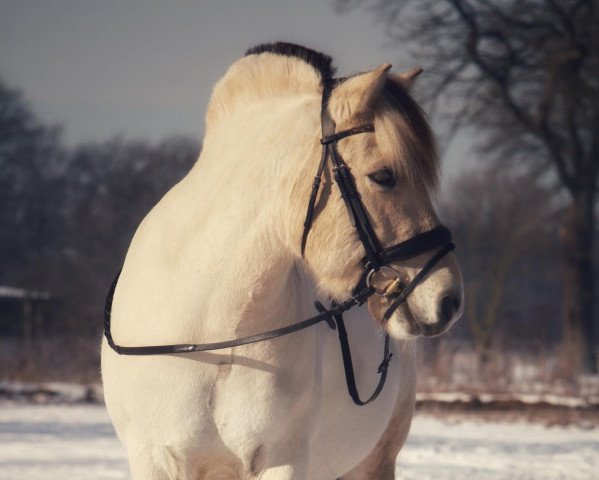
(380, 462)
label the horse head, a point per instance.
(395, 172)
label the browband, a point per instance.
(346, 133)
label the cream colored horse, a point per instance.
(219, 258)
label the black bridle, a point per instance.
(377, 260)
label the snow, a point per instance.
(55, 442)
(77, 442)
(489, 450)
(554, 400)
(50, 392)
(14, 292)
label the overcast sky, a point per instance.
(144, 68)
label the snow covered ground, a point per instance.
(77, 442)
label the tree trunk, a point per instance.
(576, 235)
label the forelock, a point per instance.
(403, 126)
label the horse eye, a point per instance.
(384, 178)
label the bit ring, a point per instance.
(394, 277)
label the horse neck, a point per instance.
(242, 183)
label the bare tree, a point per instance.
(67, 215)
(31, 165)
(526, 75)
(112, 185)
(496, 215)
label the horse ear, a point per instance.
(354, 97)
(406, 79)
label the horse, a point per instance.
(226, 254)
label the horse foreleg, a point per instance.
(287, 463)
(144, 466)
(162, 462)
(380, 462)
(286, 472)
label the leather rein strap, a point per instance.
(324, 316)
(376, 257)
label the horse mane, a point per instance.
(269, 70)
(321, 62)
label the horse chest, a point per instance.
(347, 433)
(318, 406)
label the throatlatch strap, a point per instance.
(312, 201)
(326, 125)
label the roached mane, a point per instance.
(321, 62)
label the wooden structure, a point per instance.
(24, 313)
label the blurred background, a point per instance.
(101, 112)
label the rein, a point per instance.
(377, 261)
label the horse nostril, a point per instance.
(449, 307)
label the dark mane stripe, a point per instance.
(321, 62)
